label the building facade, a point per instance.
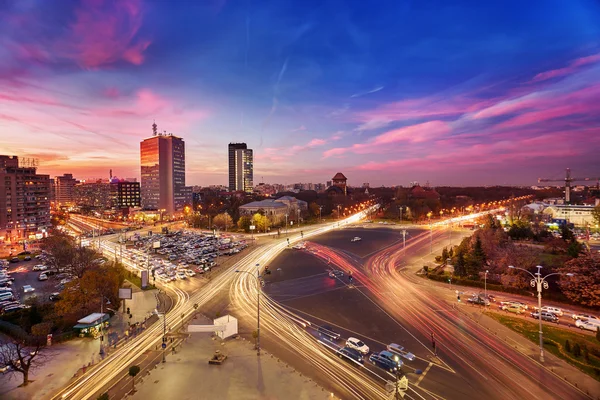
(92, 195)
(162, 159)
(65, 190)
(574, 214)
(125, 194)
(24, 201)
(244, 170)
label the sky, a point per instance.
(457, 93)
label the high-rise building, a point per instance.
(24, 200)
(233, 147)
(65, 190)
(244, 170)
(92, 195)
(162, 158)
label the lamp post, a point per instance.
(338, 208)
(538, 282)
(320, 215)
(258, 283)
(404, 241)
(485, 288)
(298, 219)
(400, 213)
(430, 233)
(286, 224)
(164, 314)
(102, 298)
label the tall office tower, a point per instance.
(244, 170)
(232, 164)
(65, 190)
(162, 158)
(24, 200)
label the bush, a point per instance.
(568, 346)
(576, 350)
(598, 335)
(586, 354)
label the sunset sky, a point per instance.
(387, 92)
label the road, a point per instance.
(470, 362)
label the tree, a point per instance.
(133, 371)
(103, 396)
(596, 214)
(444, 255)
(459, 265)
(475, 258)
(574, 249)
(22, 354)
(567, 346)
(61, 247)
(83, 259)
(576, 350)
(244, 223)
(584, 287)
(314, 209)
(566, 234)
(261, 222)
(223, 221)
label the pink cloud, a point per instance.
(105, 32)
(572, 67)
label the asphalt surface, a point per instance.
(383, 307)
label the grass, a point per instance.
(137, 281)
(554, 342)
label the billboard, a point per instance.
(125, 293)
(156, 245)
(144, 279)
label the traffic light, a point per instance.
(350, 278)
(458, 297)
(288, 241)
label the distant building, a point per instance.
(232, 148)
(65, 190)
(276, 209)
(162, 159)
(339, 185)
(328, 184)
(92, 195)
(418, 192)
(24, 201)
(574, 214)
(125, 194)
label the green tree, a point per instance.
(584, 286)
(576, 350)
(133, 371)
(459, 264)
(567, 346)
(566, 233)
(476, 258)
(596, 214)
(586, 354)
(244, 223)
(444, 255)
(261, 222)
(574, 249)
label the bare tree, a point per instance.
(22, 355)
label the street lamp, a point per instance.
(320, 215)
(538, 282)
(286, 224)
(485, 288)
(430, 233)
(400, 213)
(102, 298)
(258, 283)
(298, 220)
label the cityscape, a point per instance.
(331, 200)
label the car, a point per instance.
(515, 303)
(14, 260)
(478, 300)
(383, 363)
(24, 253)
(54, 296)
(546, 316)
(190, 273)
(43, 277)
(328, 332)
(181, 275)
(553, 310)
(584, 316)
(392, 357)
(355, 239)
(335, 273)
(512, 308)
(350, 354)
(27, 258)
(5, 368)
(586, 324)
(39, 267)
(28, 288)
(399, 350)
(357, 344)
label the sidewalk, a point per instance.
(243, 375)
(560, 368)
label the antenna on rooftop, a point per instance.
(154, 126)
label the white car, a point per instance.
(40, 267)
(584, 316)
(181, 275)
(43, 277)
(190, 273)
(585, 324)
(553, 310)
(356, 239)
(28, 288)
(358, 345)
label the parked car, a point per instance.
(586, 324)
(553, 310)
(478, 300)
(546, 316)
(28, 288)
(328, 332)
(14, 260)
(54, 296)
(515, 303)
(355, 239)
(39, 267)
(584, 316)
(392, 357)
(43, 277)
(383, 363)
(190, 273)
(181, 275)
(350, 354)
(27, 258)
(358, 345)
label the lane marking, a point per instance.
(423, 374)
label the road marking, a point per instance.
(423, 374)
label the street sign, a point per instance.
(164, 345)
(252, 227)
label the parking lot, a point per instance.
(180, 255)
(22, 281)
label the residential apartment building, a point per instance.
(162, 159)
(244, 170)
(24, 201)
(65, 190)
(232, 148)
(92, 195)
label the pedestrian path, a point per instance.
(186, 375)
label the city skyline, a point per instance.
(473, 94)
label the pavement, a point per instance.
(65, 360)
(243, 375)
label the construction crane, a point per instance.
(568, 181)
